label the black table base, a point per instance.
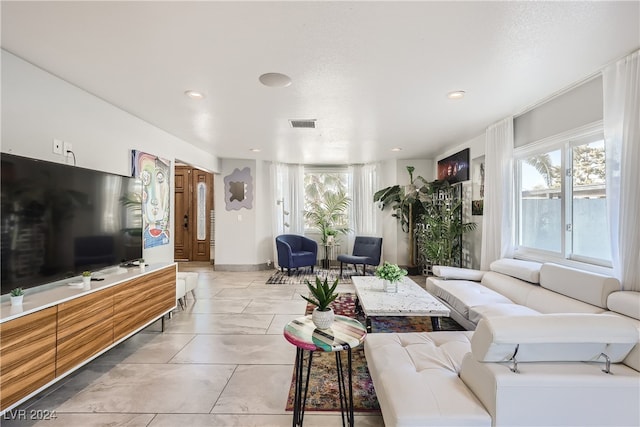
(302, 386)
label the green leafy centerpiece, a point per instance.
(322, 294)
(391, 274)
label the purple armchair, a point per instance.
(296, 251)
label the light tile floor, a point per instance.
(221, 362)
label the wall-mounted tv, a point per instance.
(58, 220)
(454, 168)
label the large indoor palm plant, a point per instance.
(406, 203)
(328, 214)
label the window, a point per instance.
(562, 198)
(320, 182)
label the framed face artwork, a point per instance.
(154, 174)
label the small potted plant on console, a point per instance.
(391, 274)
(141, 264)
(86, 279)
(322, 294)
(17, 294)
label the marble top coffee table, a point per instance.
(410, 300)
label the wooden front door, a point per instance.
(193, 205)
(202, 202)
(182, 248)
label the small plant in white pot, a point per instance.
(391, 274)
(17, 295)
(86, 278)
(141, 264)
(322, 294)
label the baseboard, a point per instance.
(242, 267)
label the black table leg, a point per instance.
(435, 323)
(302, 386)
(346, 401)
(351, 417)
(300, 395)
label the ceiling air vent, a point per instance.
(305, 124)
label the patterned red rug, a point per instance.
(323, 384)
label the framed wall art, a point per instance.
(477, 172)
(238, 190)
(154, 174)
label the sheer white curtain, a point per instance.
(621, 85)
(288, 187)
(497, 219)
(364, 218)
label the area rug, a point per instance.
(299, 276)
(323, 384)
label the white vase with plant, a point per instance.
(17, 295)
(86, 279)
(322, 294)
(142, 264)
(391, 274)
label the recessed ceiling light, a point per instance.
(254, 150)
(396, 149)
(194, 94)
(275, 80)
(458, 94)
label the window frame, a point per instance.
(332, 169)
(565, 142)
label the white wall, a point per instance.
(38, 107)
(243, 237)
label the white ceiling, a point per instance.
(374, 74)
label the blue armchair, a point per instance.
(296, 251)
(366, 251)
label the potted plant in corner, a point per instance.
(391, 274)
(142, 264)
(406, 203)
(17, 295)
(322, 294)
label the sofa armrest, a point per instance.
(456, 273)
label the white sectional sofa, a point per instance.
(559, 319)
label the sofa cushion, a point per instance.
(492, 310)
(625, 302)
(462, 294)
(515, 289)
(549, 302)
(524, 270)
(455, 273)
(591, 288)
(553, 337)
(416, 379)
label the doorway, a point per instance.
(193, 214)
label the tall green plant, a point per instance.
(328, 214)
(406, 203)
(440, 234)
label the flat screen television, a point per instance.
(58, 220)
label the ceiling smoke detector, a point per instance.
(303, 124)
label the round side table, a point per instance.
(345, 333)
